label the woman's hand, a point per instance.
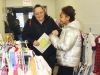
(55, 32)
(36, 43)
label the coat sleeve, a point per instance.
(26, 34)
(65, 42)
(54, 26)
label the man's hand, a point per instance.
(36, 43)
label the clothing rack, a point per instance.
(90, 30)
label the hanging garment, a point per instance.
(97, 56)
(87, 55)
(42, 66)
(89, 41)
(33, 66)
(38, 66)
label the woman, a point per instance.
(42, 23)
(69, 44)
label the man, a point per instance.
(42, 23)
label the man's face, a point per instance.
(39, 13)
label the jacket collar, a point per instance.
(74, 24)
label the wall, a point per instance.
(49, 3)
(2, 14)
(62, 3)
(88, 13)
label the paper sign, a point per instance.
(27, 2)
(99, 40)
(44, 43)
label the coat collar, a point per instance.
(74, 24)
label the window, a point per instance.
(30, 14)
(20, 16)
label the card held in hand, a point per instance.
(44, 43)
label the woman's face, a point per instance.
(39, 13)
(64, 20)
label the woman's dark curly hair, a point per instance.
(69, 11)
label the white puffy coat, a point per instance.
(68, 45)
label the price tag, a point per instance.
(99, 40)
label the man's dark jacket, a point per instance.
(34, 33)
